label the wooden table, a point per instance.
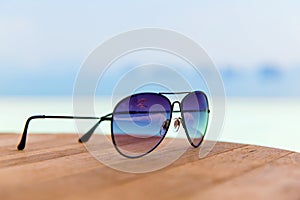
(57, 167)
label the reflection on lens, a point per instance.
(194, 109)
(140, 122)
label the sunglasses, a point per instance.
(140, 122)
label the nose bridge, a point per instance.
(177, 120)
(173, 104)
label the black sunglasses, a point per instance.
(141, 121)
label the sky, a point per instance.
(44, 43)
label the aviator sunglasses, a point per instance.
(140, 122)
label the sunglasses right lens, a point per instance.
(139, 123)
(194, 109)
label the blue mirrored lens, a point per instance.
(139, 123)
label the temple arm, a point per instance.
(22, 143)
(88, 134)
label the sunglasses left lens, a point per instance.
(139, 123)
(195, 111)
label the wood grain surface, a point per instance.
(55, 166)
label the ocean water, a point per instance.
(272, 122)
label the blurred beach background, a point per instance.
(254, 44)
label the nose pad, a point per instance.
(177, 124)
(164, 127)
